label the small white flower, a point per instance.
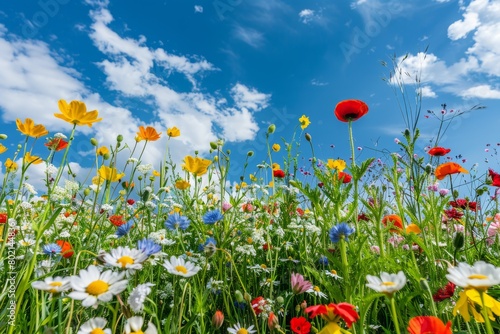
(238, 329)
(107, 207)
(480, 276)
(138, 296)
(29, 188)
(94, 325)
(53, 285)
(317, 292)
(125, 258)
(134, 325)
(60, 135)
(387, 283)
(91, 285)
(178, 266)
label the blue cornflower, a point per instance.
(52, 249)
(209, 246)
(175, 221)
(340, 231)
(212, 217)
(124, 229)
(148, 246)
(323, 260)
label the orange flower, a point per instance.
(393, 220)
(149, 133)
(28, 158)
(30, 129)
(182, 184)
(66, 249)
(350, 110)
(449, 168)
(56, 144)
(428, 324)
(413, 228)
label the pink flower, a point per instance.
(299, 284)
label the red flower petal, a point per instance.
(350, 110)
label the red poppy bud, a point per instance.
(217, 319)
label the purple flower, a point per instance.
(299, 284)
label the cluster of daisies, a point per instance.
(98, 284)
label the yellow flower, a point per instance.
(109, 174)
(28, 158)
(30, 129)
(173, 132)
(76, 113)
(10, 165)
(271, 184)
(276, 147)
(182, 184)
(331, 328)
(197, 166)
(149, 133)
(156, 173)
(252, 177)
(413, 228)
(466, 302)
(338, 164)
(103, 150)
(304, 122)
(2, 149)
(276, 166)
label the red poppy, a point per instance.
(448, 168)
(130, 201)
(117, 220)
(350, 110)
(363, 217)
(428, 324)
(495, 178)
(332, 312)
(453, 213)
(344, 177)
(266, 246)
(393, 220)
(438, 151)
(258, 304)
(278, 173)
(66, 248)
(444, 293)
(56, 144)
(3, 218)
(300, 325)
(464, 204)
(300, 212)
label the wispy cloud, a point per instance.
(306, 15)
(198, 9)
(250, 36)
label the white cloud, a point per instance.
(460, 29)
(306, 15)
(481, 91)
(316, 82)
(198, 9)
(426, 91)
(249, 98)
(250, 36)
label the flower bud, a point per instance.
(239, 296)
(280, 300)
(3, 136)
(248, 297)
(250, 153)
(308, 137)
(213, 145)
(86, 192)
(271, 129)
(94, 142)
(272, 321)
(106, 156)
(459, 240)
(119, 138)
(217, 319)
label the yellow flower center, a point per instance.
(181, 269)
(55, 284)
(333, 271)
(263, 266)
(97, 288)
(97, 331)
(477, 276)
(124, 260)
(138, 332)
(317, 289)
(388, 284)
(242, 331)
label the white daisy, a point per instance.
(134, 326)
(237, 329)
(125, 258)
(53, 285)
(138, 296)
(92, 286)
(315, 290)
(480, 276)
(387, 283)
(93, 326)
(178, 266)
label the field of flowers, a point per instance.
(374, 246)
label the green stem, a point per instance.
(345, 268)
(484, 310)
(394, 314)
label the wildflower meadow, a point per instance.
(404, 242)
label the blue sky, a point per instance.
(229, 68)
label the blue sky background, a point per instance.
(229, 68)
